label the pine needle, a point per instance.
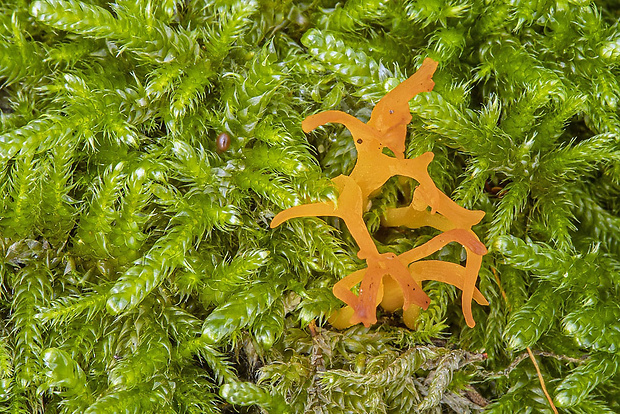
(542, 381)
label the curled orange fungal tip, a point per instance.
(390, 280)
(391, 114)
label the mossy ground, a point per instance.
(138, 270)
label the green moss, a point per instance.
(139, 272)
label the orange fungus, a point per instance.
(389, 280)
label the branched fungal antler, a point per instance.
(387, 127)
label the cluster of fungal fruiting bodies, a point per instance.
(390, 280)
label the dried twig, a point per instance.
(524, 355)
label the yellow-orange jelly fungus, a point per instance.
(390, 280)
